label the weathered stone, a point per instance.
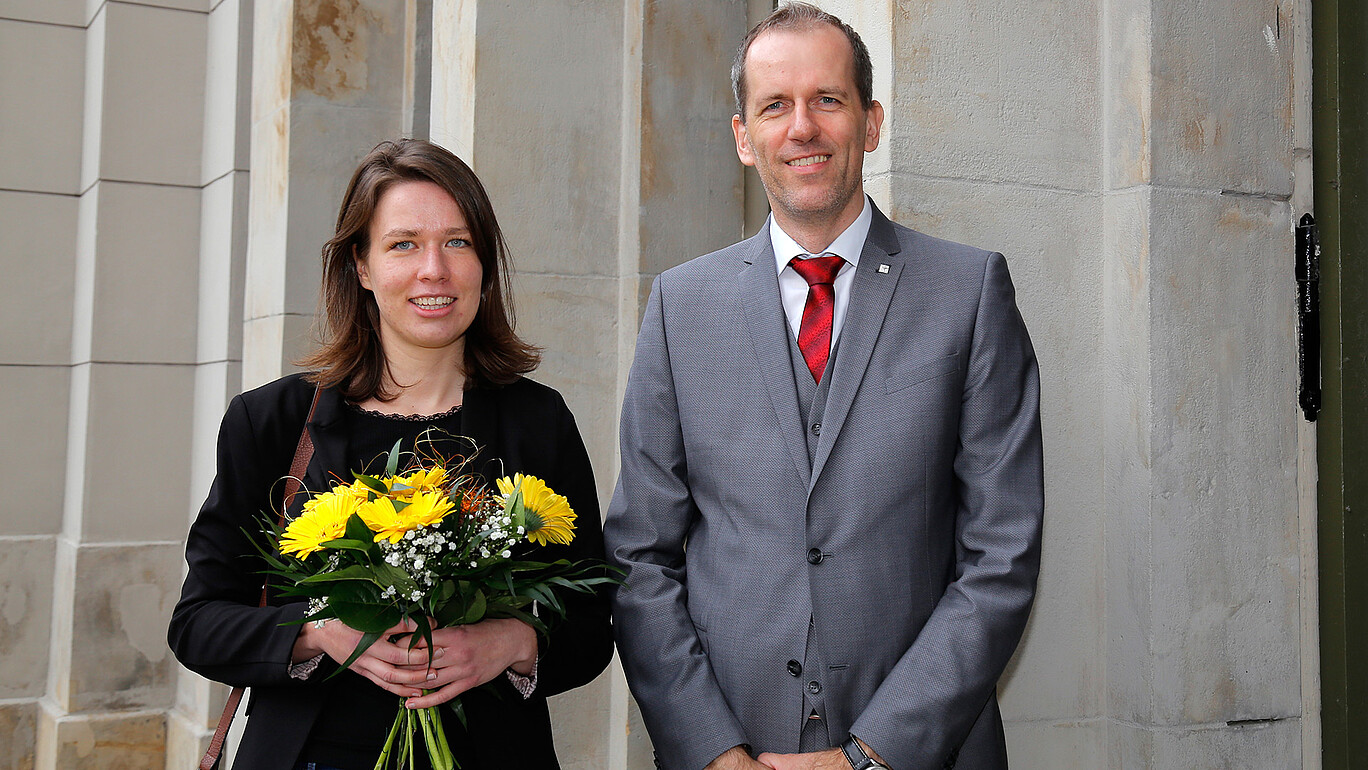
(19, 725)
(120, 741)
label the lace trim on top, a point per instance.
(406, 417)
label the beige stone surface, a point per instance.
(19, 725)
(579, 725)
(120, 608)
(120, 741)
(68, 12)
(142, 273)
(548, 137)
(25, 617)
(136, 432)
(1003, 92)
(38, 260)
(145, 80)
(36, 442)
(41, 79)
(222, 254)
(227, 90)
(1047, 745)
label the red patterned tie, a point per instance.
(814, 333)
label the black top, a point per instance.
(218, 631)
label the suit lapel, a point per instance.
(330, 447)
(759, 298)
(870, 296)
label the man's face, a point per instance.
(804, 129)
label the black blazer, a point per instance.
(218, 631)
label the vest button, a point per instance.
(815, 556)
(816, 429)
(814, 687)
(795, 668)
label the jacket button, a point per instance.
(816, 429)
(815, 556)
(814, 687)
(795, 668)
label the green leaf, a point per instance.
(392, 466)
(475, 610)
(352, 572)
(367, 618)
(358, 531)
(372, 483)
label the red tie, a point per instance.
(814, 333)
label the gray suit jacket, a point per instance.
(924, 504)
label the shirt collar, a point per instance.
(847, 245)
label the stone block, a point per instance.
(121, 600)
(35, 444)
(1222, 96)
(222, 255)
(271, 345)
(573, 319)
(1051, 240)
(122, 741)
(970, 100)
(38, 257)
(548, 140)
(1224, 500)
(26, 566)
(41, 78)
(185, 741)
(136, 453)
(67, 12)
(227, 90)
(19, 723)
(1128, 474)
(145, 81)
(349, 54)
(1212, 747)
(690, 178)
(1048, 745)
(141, 271)
(581, 722)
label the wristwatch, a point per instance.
(857, 758)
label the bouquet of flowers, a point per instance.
(434, 546)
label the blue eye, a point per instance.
(403, 245)
(458, 243)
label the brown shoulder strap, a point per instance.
(303, 454)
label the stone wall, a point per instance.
(169, 169)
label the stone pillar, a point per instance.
(222, 251)
(39, 185)
(1204, 651)
(330, 80)
(131, 355)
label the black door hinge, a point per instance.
(1308, 316)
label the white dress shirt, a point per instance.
(793, 290)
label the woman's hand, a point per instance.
(468, 656)
(389, 664)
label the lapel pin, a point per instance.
(883, 268)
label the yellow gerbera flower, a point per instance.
(324, 518)
(388, 523)
(547, 515)
(422, 480)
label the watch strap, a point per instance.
(857, 758)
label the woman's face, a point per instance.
(423, 270)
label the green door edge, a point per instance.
(1340, 154)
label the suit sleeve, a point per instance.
(648, 523)
(580, 646)
(217, 630)
(931, 698)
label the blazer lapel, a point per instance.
(759, 298)
(870, 296)
(330, 448)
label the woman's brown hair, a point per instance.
(350, 357)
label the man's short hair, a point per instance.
(796, 17)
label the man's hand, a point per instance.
(830, 759)
(734, 758)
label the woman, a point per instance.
(417, 334)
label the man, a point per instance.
(830, 501)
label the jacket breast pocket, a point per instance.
(918, 374)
